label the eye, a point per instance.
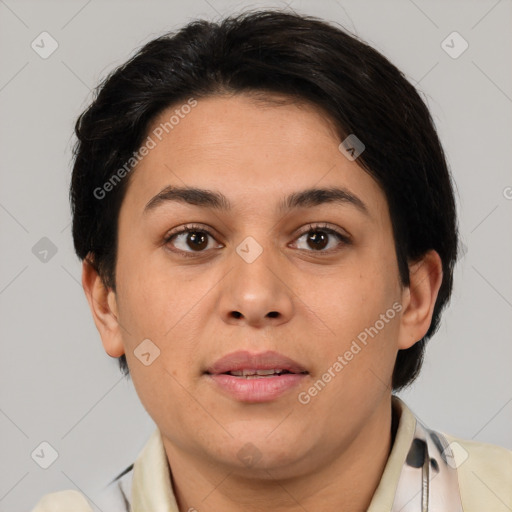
(192, 237)
(317, 237)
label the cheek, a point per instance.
(167, 305)
(149, 289)
(357, 312)
(163, 393)
(356, 356)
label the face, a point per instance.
(257, 273)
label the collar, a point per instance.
(419, 475)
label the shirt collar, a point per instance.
(151, 485)
(384, 495)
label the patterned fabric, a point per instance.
(428, 480)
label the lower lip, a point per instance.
(255, 390)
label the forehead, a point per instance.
(249, 149)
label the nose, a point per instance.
(256, 292)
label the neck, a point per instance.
(345, 480)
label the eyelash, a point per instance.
(311, 228)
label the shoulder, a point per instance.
(63, 501)
(485, 474)
(115, 497)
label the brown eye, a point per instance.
(317, 238)
(194, 240)
(190, 239)
(197, 240)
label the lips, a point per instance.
(243, 363)
(253, 378)
(257, 374)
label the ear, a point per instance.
(419, 298)
(103, 304)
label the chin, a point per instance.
(251, 454)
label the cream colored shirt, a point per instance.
(484, 474)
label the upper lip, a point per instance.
(244, 360)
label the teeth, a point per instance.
(267, 372)
(255, 373)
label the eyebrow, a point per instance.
(308, 198)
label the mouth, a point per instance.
(243, 364)
(260, 374)
(262, 377)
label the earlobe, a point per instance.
(419, 298)
(103, 305)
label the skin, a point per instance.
(332, 450)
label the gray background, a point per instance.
(56, 382)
